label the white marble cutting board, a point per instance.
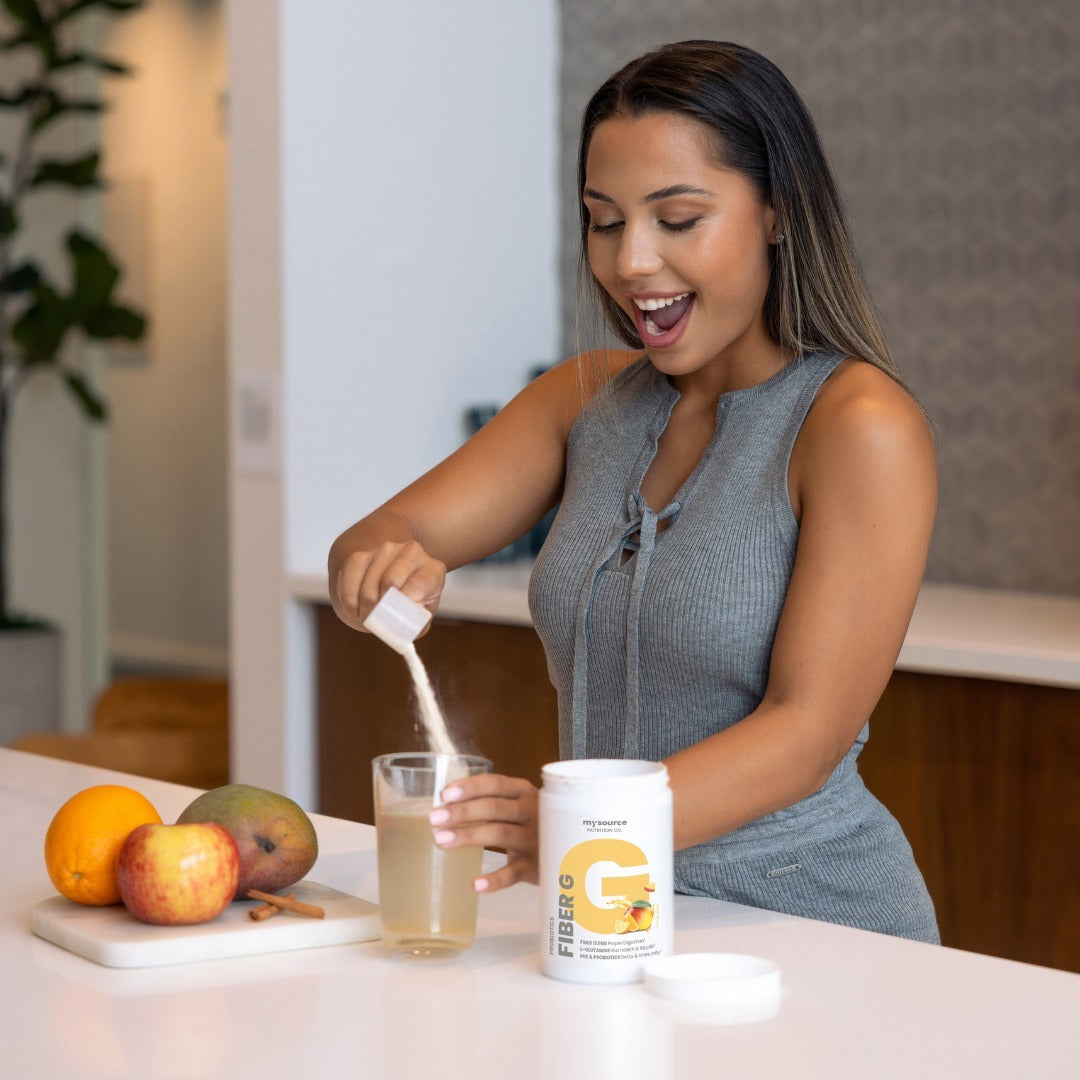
(114, 937)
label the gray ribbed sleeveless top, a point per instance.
(657, 639)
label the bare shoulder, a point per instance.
(860, 406)
(864, 426)
(598, 367)
(564, 389)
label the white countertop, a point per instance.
(955, 630)
(854, 1004)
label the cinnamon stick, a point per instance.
(288, 903)
(266, 911)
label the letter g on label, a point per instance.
(578, 860)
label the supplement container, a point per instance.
(606, 867)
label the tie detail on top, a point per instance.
(637, 535)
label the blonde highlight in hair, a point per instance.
(837, 312)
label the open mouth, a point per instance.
(660, 319)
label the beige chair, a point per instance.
(165, 728)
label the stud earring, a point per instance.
(779, 237)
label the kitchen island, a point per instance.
(853, 1004)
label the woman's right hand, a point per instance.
(360, 576)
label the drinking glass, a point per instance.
(426, 898)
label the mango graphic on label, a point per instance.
(641, 911)
(633, 914)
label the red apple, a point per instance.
(175, 875)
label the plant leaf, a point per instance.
(112, 5)
(36, 31)
(95, 274)
(17, 99)
(9, 220)
(77, 173)
(21, 278)
(41, 328)
(55, 105)
(75, 8)
(114, 321)
(102, 63)
(92, 405)
(27, 12)
(14, 42)
(13, 620)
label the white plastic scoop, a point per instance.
(396, 620)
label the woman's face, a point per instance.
(681, 244)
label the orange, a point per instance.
(84, 840)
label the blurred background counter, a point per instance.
(955, 630)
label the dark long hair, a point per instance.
(817, 298)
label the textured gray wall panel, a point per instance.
(954, 130)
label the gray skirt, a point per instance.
(838, 856)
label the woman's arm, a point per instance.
(863, 482)
(484, 496)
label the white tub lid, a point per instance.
(724, 987)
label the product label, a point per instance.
(606, 905)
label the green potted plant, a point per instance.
(42, 318)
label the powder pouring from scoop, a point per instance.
(398, 622)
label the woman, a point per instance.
(746, 499)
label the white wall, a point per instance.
(393, 233)
(419, 229)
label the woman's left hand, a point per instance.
(492, 811)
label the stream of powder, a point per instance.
(430, 714)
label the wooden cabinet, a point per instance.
(983, 775)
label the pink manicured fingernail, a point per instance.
(446, 836)
(480, 884)
(439, 817)
(451, 794)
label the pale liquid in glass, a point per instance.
(426, 896)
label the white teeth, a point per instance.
(660, 301)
